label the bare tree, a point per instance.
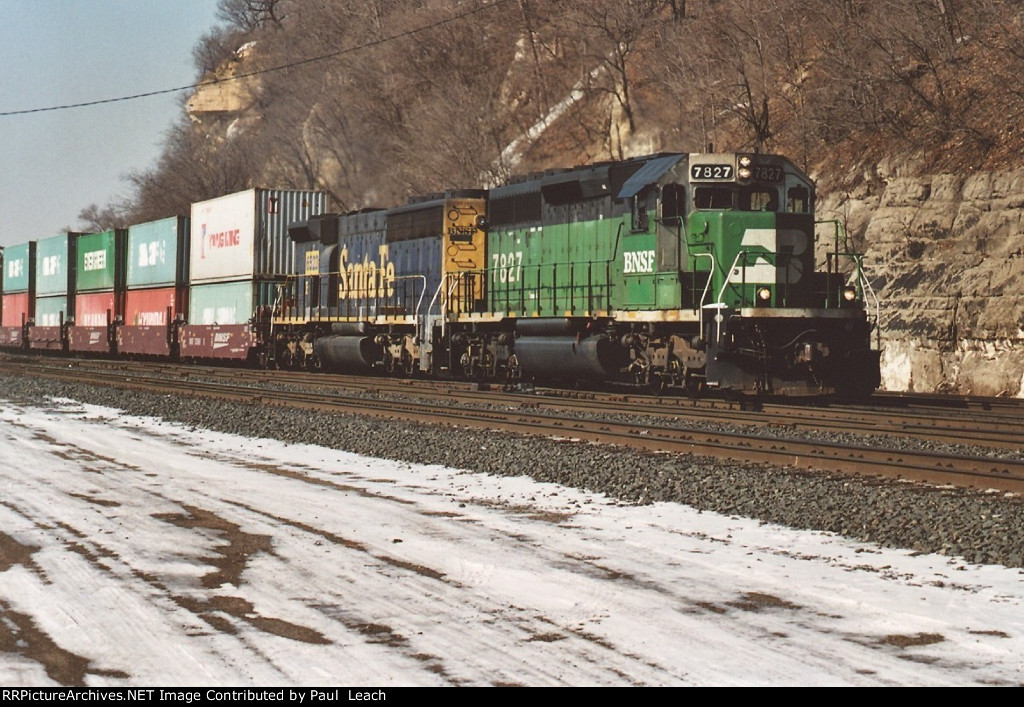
(95, 219)
(408, 102)
(214, 48)
(251, 15)
(194, 166)
(612, 33)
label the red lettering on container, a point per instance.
(225, 239)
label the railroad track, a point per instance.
(986, 422)
(653, 424)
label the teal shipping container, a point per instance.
(158, 253)
(228, 302)
(19, 268)
(52, 311)
(55, 264)
(100, 261)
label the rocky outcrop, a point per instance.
(228, 91)
(945, 254)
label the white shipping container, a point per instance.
(245, 235)
(223, 234)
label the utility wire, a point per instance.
(269, 70)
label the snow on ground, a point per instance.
(134, 552)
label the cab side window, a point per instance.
(638, 204)
(673, 202)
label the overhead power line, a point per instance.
(282, 67)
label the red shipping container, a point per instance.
(147, 330)
(91, 310)
(149, 307)
(15, 307)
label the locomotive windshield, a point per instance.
(748, 183)
(742, 198)
(751, 198)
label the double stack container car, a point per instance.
(239, 254)
(55, 291)
(157, 288)
(98, 281)
(19, 293)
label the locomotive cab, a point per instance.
(771, 322)
(753, 216)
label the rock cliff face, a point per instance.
(223, 92)
(945, 253)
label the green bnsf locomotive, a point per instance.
(695, 271)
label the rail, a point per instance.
(966, 467)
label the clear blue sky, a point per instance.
(54, 52)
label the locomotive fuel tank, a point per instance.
(564, 357)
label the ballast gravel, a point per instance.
(969, 526)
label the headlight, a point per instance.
(745, 161)
(764, 296)
(743, 173)
(849, 295)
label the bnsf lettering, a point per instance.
(366, 279)
(225, 239)
(94, 260)
(461, 234)
(639, 261)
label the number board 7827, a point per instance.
(712, 172)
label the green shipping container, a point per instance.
(55, 264)
(50, 309)
(157, 253)
(100, 261)
(228, 302)
(19, 260)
